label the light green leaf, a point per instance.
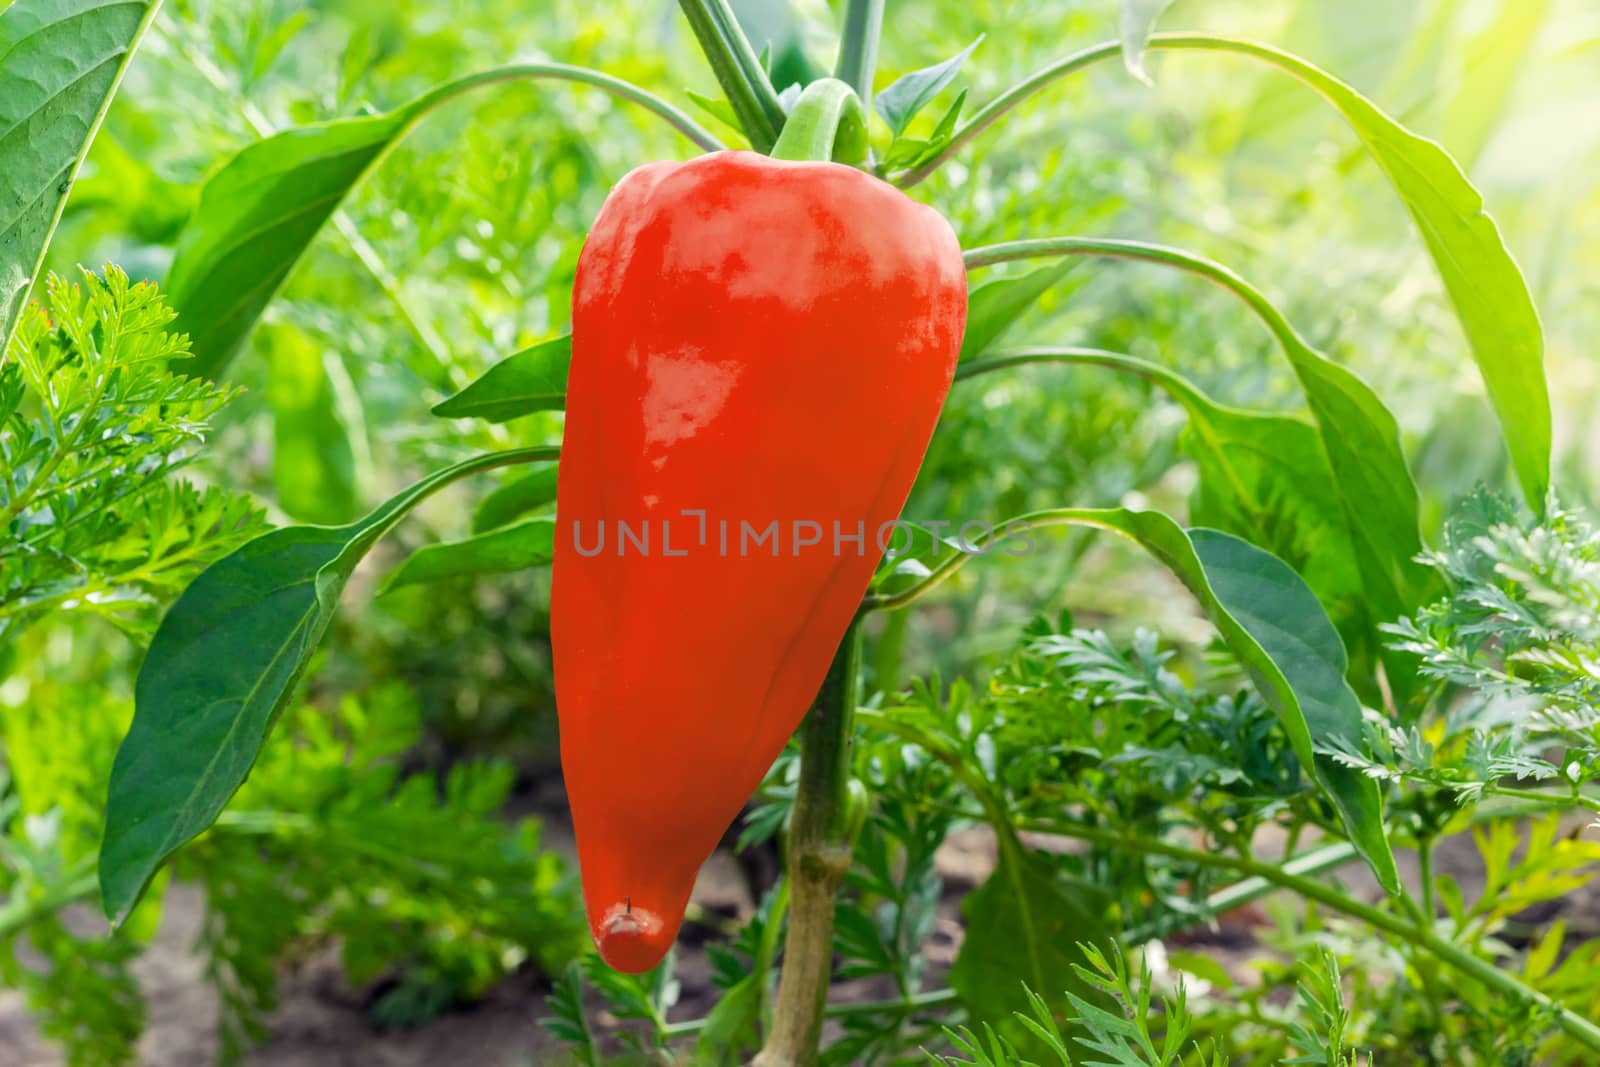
(1136, 20)
(60, 64)
(256, 218)
(223, 664)
(534, 379)
(515, 498)
(1490, 295)
(993, 306)
(261, 211)
(900, 101)
(530, 543)
(313, 462)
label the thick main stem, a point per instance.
(818, 860)
(744, 82)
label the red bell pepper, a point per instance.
(760, 352)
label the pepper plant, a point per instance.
(1337, 709)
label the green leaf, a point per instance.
(993, 306)
(515, 498)
(1024, 926)
(219, 672)
(313, 462)
(1270, 619)
(534, 379)
(719, 109)
(60, 64)
(1358, 434)
(256, 218)
(530, 543)
(1281, 615)
(1488, 290)
(1136, 20)
(907, 95)
(261, 211)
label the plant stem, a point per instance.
(827, 123)
(744, 82)
(858, 47)
(818, 859)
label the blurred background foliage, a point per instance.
(461, 248)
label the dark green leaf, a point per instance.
(1135, 22)
(529, 543)
(219, 671)
(313, 461)
(60, 64)
(1283, 617)
(907, 95)
(1024, 926)
(534, 379)
(993, 306)
(515, 498)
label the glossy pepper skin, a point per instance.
(760, 341)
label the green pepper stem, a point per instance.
(818, 860)
(828, 122)
(858, 46)
(738, 69)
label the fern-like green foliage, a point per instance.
(414, 876)
(1125, 1025)
(94, 421)
(1515, 651)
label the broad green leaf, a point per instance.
(256, 218)
(1281, 614)
(515, 498)
(60, 64)
(313, 462)
(530, 543)
(534, 379)
(1136, 20)
(219, 671)
(900, 101)
(1273, 623)
(261, 211)
(993, 306)
(1024, 925)
(1488, 291)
